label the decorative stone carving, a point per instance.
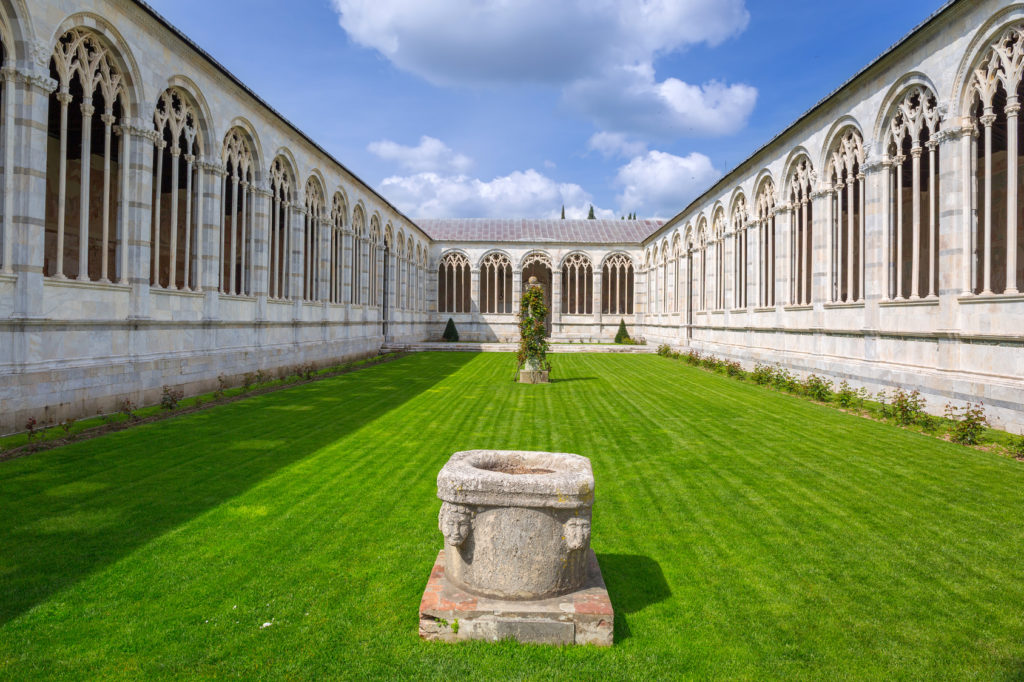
(577, 533)
(454, 523)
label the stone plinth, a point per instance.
(533, 377)
(517, 560)
(583, 616)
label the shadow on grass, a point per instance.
(70, 511)
(556, 380)
(634, 582)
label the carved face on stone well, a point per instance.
(577, 533)
(454, 523)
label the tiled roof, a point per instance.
(494, 230)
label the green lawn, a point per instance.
(742, 533)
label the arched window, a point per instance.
(176, 181)
(663, 278)
(78, 239)
(418, 286)
(496, 284)
(801, 237)
(411, 274)
(312, 239)
(453, 283)
(577, 285)
(649, 306)
(373, 249)
(766, 243)
(281, 188)
(911, 176)
(739, 232)
(718, 235)
(337, 249)
(847, 223)
(237, 243)
(702, 267)
(399, 278)
(997, 265)
(676, 273)
(358, 248)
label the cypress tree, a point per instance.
(563, 211)
(591, 216)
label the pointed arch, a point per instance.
(179, 133)
(577, 270)
(453, 282)
(283, 200)
(844, 176)
(800, 180)
(739, 218)
(98, 86)
(359, 250)
(313, 223)
(992, 94)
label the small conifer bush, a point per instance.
(622, 336)
(451, 334)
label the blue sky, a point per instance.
(484, 108)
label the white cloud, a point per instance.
(630, 99)
(460, 41)
(600, 52)
(615, 144)
(520, 194)
(659, 184)
(429, 155)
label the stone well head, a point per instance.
(516, 524)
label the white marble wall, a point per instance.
(71, 348)
(956, 346)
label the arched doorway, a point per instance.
(539, 265)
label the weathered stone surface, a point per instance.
(516, 524)
(527, 376)
(584, 616)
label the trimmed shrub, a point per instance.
(451, 334)
(622, 336)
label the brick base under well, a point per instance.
(450, 614)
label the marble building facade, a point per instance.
(162, 226)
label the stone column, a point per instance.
(1012, 110)
(556, 299)
(297, 258)
(25, 208)
(261, 208)
(820, 246)
(517, 290)
(596, 298)
(324, 229)
(474, 290)
(10, 92)
(137, 214)
(208, 237)
(346, 272)
(986, 240)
